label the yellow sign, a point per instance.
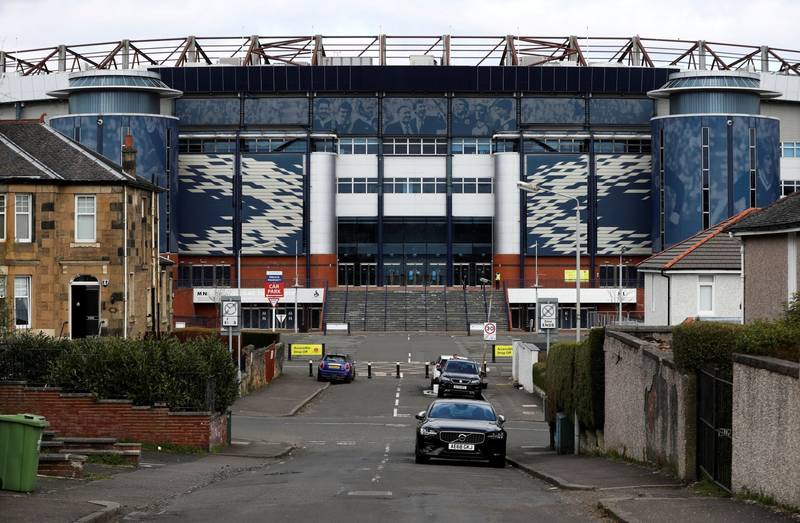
(306, 349)
(503, 351)
(569, 274)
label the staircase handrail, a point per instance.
(508, 305)
(346, 301)
(446, 319)
(366, 299)
(425, 302)
(466, 310)
(385, 307)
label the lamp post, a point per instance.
(532, 187)
(619, 318)
(536, 284)
(296, 286)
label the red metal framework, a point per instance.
(397, 49)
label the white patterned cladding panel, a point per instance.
(623, 204)
(551, 218)
(272, 203)
(205, 212)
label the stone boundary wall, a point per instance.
(766, 422)
(83, 415)
(650, 407)
(262, 367)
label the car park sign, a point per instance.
(548, 314)
(306, 349)
(274, 287)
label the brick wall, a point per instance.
(83, 415)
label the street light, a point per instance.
(621, 253)
(532, 187)
(296, 286)
(536, 284)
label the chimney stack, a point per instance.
(129, 156)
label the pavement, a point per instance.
(284, 396)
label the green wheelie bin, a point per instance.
(20, 438)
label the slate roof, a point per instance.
(711, 249)
(35, 151)
(781, 215)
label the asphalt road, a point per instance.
(354, 459)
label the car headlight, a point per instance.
(444, 379)
(475, 382)
(425, 431)
(496, 435)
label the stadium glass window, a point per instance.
(506, 146)
(484, 185)
(372, 185)
(414, 146)
(2, 217)
(401, 185)
(344, 185)
(471, 146)
(415, 185)
(753, 166)
(790, 150)
(85, 218)
(204, 275)
(789, 186)
(359, 185)
(429, 185)
(441, 185)
(358, 146)
(324, 145)
(457, 185)
(23, 218)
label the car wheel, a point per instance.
(419, 458)
(499, 462)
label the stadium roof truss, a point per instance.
(397, 50)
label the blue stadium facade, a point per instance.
(373, 175)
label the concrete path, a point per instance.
(284, 396)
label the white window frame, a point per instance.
(28, 214)
(28, 297)
(93, 214)
(705, 280)
(2, 217)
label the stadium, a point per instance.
(380, 173)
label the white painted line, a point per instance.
(396, 394)
(346, 443)
(398, 425)
(533, 447)
(396, 403)
(401, 375)
(529, 406)
(409, 357)
(404, 416)
(371, 493)
(387, 448)
(395, 412)
(529, 412)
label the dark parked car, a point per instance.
(461, 429)
(439, 364)
(336, 367)
(461, 377)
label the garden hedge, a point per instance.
(179, 373)
(575, 380)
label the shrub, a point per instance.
(779, 339)
(145, 371)
(260, 338)
(702, 343)
(589, 381)
(540, 375)
(560, 375)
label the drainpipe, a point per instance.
(669, 297)
(125, 260)
(741, 277)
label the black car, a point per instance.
(461, 429)
(461, 377)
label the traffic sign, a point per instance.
(230, 312)
(274, 301)
(280, 318)
(489, 331)
(548, 314)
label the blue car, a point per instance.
(336, 367)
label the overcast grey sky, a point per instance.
(26, 24)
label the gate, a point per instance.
(714, 433)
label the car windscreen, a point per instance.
(462, 411)
(461, 367)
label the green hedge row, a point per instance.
(257, 338)
(195, 374)
(700, 344)
(575, 380)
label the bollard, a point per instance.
(369, 370)
(494, 358)
(310, 369)
(484, 366)
(426, 369)
(397, 368)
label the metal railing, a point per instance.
(382, 49)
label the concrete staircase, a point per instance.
(66, 457)
(435, 309)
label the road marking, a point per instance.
(396, 402)
(528, 412)
(401, 375)
(404, 416)
(396, 394)
(529, 406)
(371, 493)
(409, 357)
(346, 443)
(394, 413)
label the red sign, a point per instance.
(273, 289)
(274, 301)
